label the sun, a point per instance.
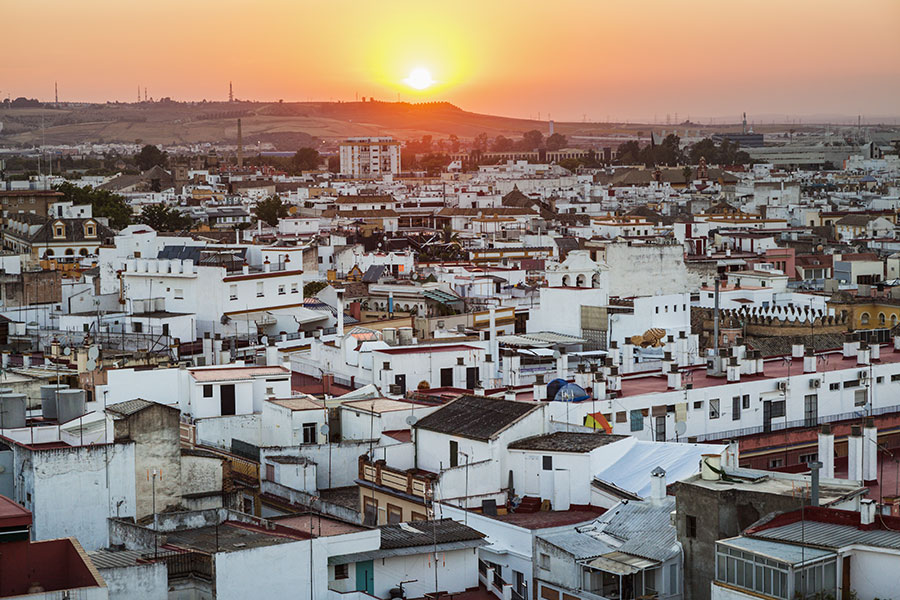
(419, 79)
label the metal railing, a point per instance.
(184, 564)
(798, 423)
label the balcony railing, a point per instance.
(185, 564)
(411, 482)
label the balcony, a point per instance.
(413, 482)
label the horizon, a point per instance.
(648, 62)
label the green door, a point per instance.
(365, 577)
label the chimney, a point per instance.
(240, 146)
(674, 377)
(809, 361)
(615, 380)
(207, 349)
(582, 376)
(267, 266)
(870, 452)
(488, 367)
(614, 352)
(854, 454)
(478, 390)
(851, 346)
(657, 485)
(245, 269)
(561, 363)
(271, 354)
(826, 451)
(510, 394)
(540, 390)
(863, 355)
(897, 343)
(26, 360)
(710, 465)
(599, 387)
(867, 513)
(627, 356)
(340, 314)
(814, 481)
(494, 346)
(733, 371)
(796, 350)
(875, 351)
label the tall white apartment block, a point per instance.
(370, 156)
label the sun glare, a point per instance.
(419, 79)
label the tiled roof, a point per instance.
(129, 407)
(476, 417)
(426, 533)
(566, 441)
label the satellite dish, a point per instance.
(264, 340)
(325, 429)
(680, 427)
(90, 365)
(556, 354)
(411, 420)
(67, 351)
(93, 352)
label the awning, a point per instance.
(620, 563)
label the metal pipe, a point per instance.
(814, 477)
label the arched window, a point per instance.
(864, 318)
(49, 252)
(893, 320)
(70, 252)
(565, 281)
(83, 252)
(881, 319)
(580, 280)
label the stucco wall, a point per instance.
(145, 581)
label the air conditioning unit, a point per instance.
(815, 383)
(782, 386)
(394, 389)
(863, 375)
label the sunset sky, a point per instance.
(600, 58)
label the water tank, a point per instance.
(12, 410)
(389, 334)
(406, 335)
(70, 404)
(48, 400)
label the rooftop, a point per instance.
(13, 514)
(426, 533)
(317, 525)
(476, 417)
(565, 441)
(831, 491)
(298, 403)
(381, 405)
(209, 374)
(551, 518)
(230, 536)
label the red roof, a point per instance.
(13, 514)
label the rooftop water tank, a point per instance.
(48, 399)
(12, 410)
(70, 405)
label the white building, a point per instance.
(370, 157)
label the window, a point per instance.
(294, 289)
(309, 433)
(454, 453)
(137, 327)
(207, 391)
(881, 319)
(714, 408)
(418, 516)
(834, 386)
(232, 292)
(690, 526)
(637, 420)
(370, 511)
(395, 514)
(342, 571)
(281, 290)
(698, 405)
(778, 409)
(547, 464)
(810, 410)
(260, 291)
(775, 463)
(895, 377)
(545, 561)
(270, 472)
(864, 318)
(860, 397)
(879, 379)
(851, 383)
(746, 401)
(179, 294)
(808, 458)
(736, 408)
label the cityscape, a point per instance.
(516, 301)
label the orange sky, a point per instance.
(600, 58)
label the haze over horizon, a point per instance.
(640, 61)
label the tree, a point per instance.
(162, 218)
(271, 210)
(454, 143)
(704, 149)
(569, 163)
(151, 156)
(556, 141)
(502, 144)
(688, 174)
(314, 287)
(306, 159)
(628, 152)
(103, 203)
(532, 140)
(334, 164)
(481, 142)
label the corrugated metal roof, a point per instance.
(129, 407)
(104, 559)
(645, 528)
(830, 535)
(580, 545)
(787, 553)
